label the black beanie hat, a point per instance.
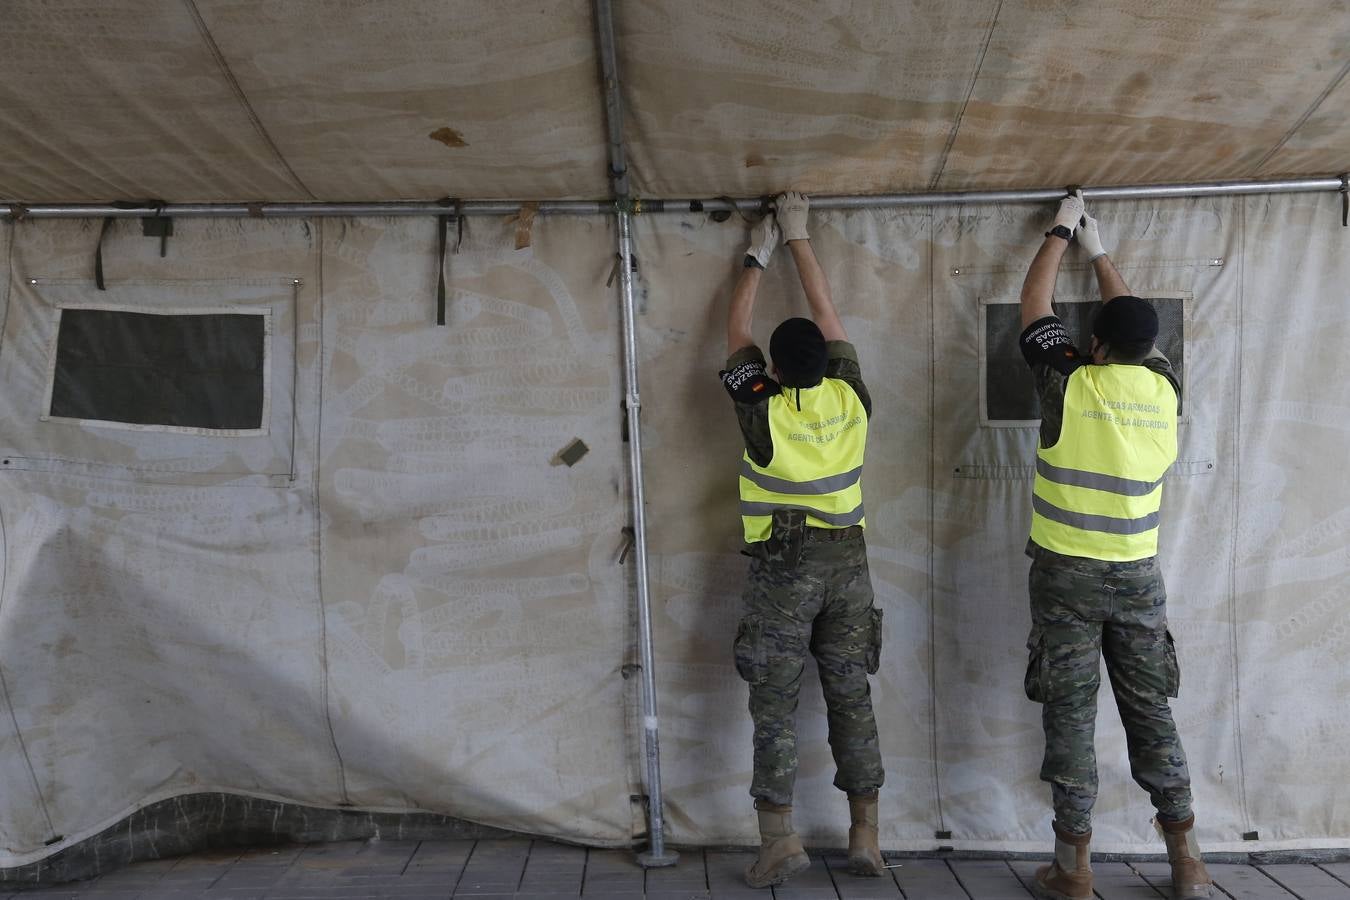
(1126, 322)
(798, 351)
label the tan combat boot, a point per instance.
(864, 853)
(1190, 880)
(1069, 877)
(780, 853)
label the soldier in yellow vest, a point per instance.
(1108, 435)
(809, 591)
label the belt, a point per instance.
(814, 533)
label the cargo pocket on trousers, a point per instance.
(873, 657)
(1171, 669)
(752, 662)
(1034, 681)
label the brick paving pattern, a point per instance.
(522, 869)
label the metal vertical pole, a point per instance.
(656, 853)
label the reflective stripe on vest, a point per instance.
(817, 460)
(1088, 522)
(816, 486)
(1099, 489)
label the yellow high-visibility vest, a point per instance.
(817, 460)
(1098, 490)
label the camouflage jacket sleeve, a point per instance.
(1050, 352)
(747, 381)
(843, 364)
(1050, 385)
(1163, 366)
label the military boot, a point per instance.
(780, 853)
(1069, 877)
(864, 853)
(1190, 880)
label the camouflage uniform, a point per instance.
(809, 593)
(809, 590)
(1083, 609)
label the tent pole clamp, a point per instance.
(636, 206)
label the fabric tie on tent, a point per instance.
(156, 205)
(443, 222)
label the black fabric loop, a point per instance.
(158, 225)
(98, 254)
(443, 223)
(440, 274)
(736, 209)
(156, 205)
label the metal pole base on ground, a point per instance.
(649, 860)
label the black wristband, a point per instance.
(1060, 231)
(751, 262)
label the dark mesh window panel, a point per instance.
(1010, 388)
(186, 371)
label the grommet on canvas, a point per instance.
(956, 272)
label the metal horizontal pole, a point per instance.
(301, 210)
(646, 206)
(1031, 195)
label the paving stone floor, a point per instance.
(541, 870)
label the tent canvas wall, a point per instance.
(394, 596)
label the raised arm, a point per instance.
(764, 238)
(1108, 279)
(1038, 290)
(792, 213)
(742, 312)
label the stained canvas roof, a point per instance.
(219, 100)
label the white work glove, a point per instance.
(792, 210)
(1070, 212)
(1090, 238)
(764, 237)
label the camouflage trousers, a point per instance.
(822, 604)
(1082, 609)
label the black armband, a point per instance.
(749, 383)
(1046, 342)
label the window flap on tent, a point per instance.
(196, 372)
(153, 381)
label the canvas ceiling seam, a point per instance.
(970, 92)
(4, 682)
(1303, 119)
(237, 89)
